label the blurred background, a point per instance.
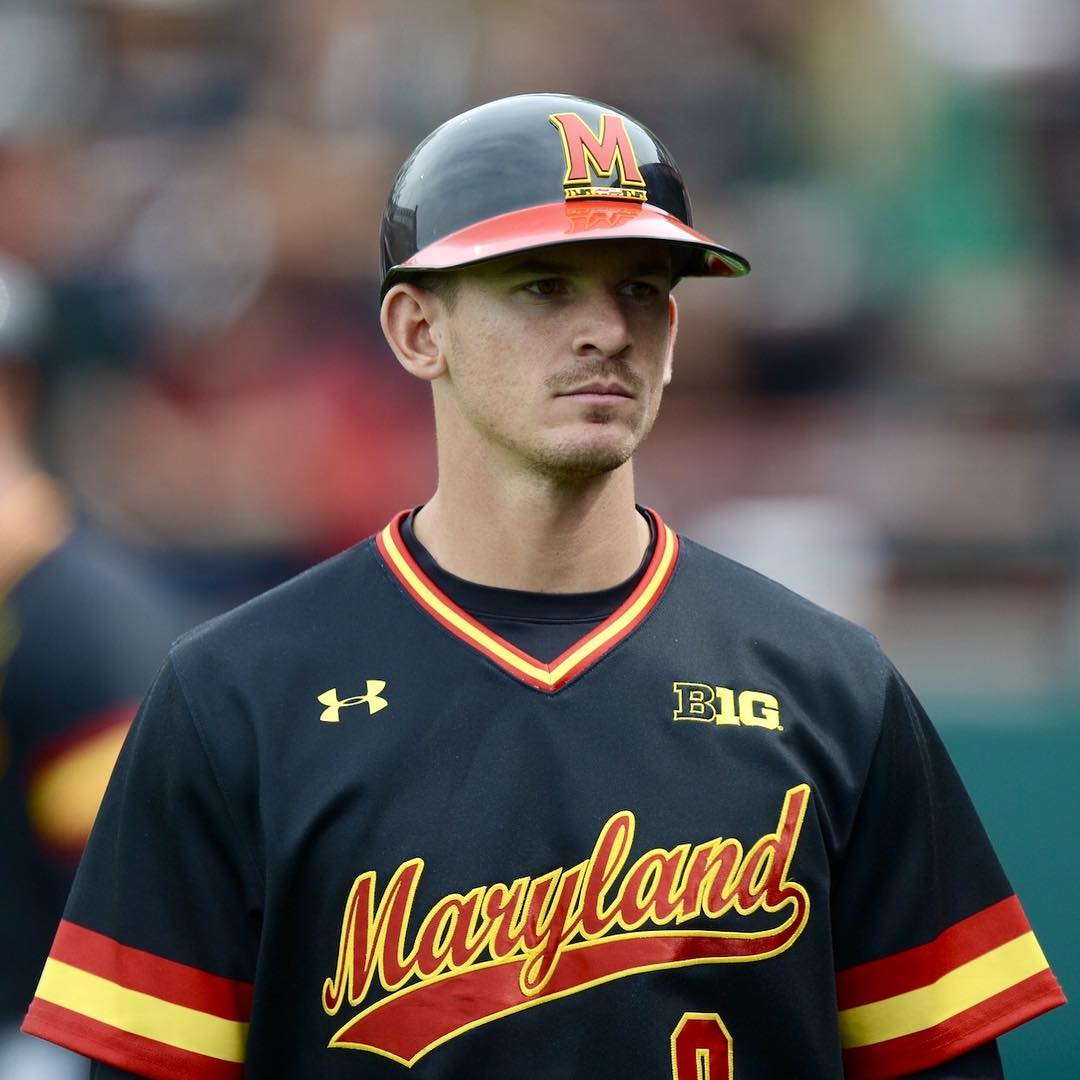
(885, 415)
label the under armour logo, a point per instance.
(371, 699)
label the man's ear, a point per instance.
(409, 317)
(673, 332)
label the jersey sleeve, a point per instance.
(982, 1063)
(933, 951)
(85, 612)
(151, 969)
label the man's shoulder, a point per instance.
(312, 606)
(90, 579)
(767, 608)
(92, 611)
(765, 636)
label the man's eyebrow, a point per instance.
(660, 267)
(534, 266)
(540, 268)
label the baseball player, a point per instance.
(81, 636)
(526, 785)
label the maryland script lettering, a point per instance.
(501, 948)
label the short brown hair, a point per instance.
(443, 283)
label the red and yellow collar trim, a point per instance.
(579, 657)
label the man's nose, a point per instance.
(602, 328)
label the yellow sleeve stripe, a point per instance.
(961, 989)
(142, 1014)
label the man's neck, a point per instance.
(537, 537)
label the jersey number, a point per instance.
(701, 1048)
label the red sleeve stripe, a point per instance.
(147, 973)
(981, 997)
(960, 943)
(132, 1053)
(925, 1049)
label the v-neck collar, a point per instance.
(514, 661)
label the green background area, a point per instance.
(1025, 780)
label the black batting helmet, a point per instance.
(539, 169)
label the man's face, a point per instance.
(557, 358)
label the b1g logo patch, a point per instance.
(707, 704)
(592, 154)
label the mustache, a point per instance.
(600, 368)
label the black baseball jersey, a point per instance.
(81, 637)
(354, 832)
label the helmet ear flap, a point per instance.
(535, 170)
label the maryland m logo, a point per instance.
(605, 152)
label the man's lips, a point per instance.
(599, 390)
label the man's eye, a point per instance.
(546, 287)
(640, 290)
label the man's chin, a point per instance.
(588, 457)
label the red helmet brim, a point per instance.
(569, 222)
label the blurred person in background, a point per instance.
(81, 634)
